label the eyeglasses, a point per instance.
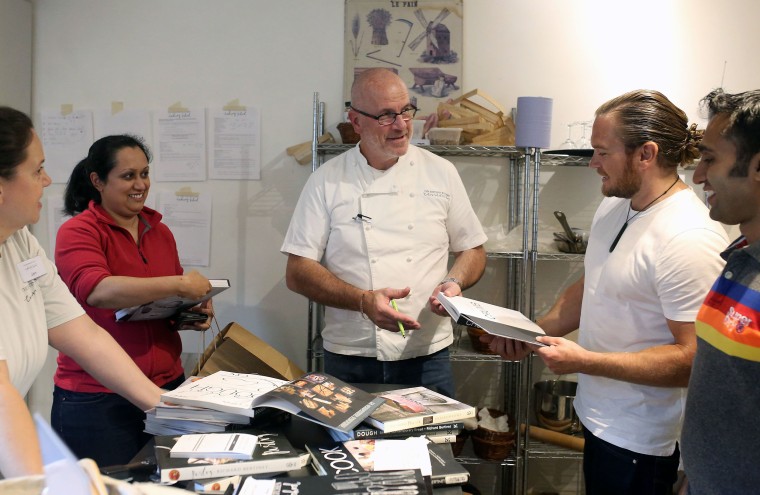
(388, 118)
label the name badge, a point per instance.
(31, 269)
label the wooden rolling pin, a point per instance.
(555, 438)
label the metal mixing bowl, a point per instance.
(553, 405)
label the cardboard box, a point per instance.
(237, 349)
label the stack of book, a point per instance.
(316, 397)
(410, 412)
(216, 403)
(273, 454)
(174, 419)
(436, 433)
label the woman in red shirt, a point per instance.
(115, 253)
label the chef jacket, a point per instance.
(375, 229)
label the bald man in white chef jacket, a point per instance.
(375, 226)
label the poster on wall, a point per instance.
(419, 40)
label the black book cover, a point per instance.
(366, 431)
(406, 482)
(356, 456)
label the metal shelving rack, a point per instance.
(524, 168)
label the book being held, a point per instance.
(415, 407)
(316, 397)
(169, 306)
(215, 446)
(494, 320)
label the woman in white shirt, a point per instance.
(37, 307)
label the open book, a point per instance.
(316, 397)
(495, 320)
(169, 306)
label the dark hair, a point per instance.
(101, 159)
(743, 126)
(647, 115)
(15, 137)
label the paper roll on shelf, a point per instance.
(534, 122)
(555, 438)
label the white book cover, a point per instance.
(494, 320)
(224, 391)
(215, 446)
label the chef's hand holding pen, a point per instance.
(376, 305)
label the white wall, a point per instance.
(16, 54)
(275, 54)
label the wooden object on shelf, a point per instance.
(480, 125)
(302, 151)
(555, 438)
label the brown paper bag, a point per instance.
(236, 349)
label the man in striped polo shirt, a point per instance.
(720, 438)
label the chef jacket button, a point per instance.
(374, 260)
(367, 227)
(729, 275)
(410, 226)
(411, 164)
(411, 195)
(409, 260)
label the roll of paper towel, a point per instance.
(534, 122)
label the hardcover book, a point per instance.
(355, 456)
(223, 391)
(415, 407)
(494, 320)
(400, 482)
(316, 397)
(169, 306)
(173, 426)
(364, 431)
(273, 454)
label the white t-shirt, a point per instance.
(29, 308)
(413, 214)
(662, 267)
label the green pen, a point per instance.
(400, 325)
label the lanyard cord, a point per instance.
(628, 220)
